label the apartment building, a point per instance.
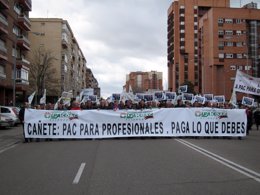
(144, 81)
(228, 40)
(55, 35)
(183, 40)
(91, 82)
(14, 45)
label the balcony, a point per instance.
(24, 22)
(3, 53)
(4, 4)
(23, 43)
(3, 25)
(64, 42)
(22, 63)
(26, 4)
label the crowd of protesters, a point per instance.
(129, 104)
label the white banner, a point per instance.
(247, 84)
(164, 122)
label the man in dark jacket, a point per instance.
(257, 117)
(21, 117)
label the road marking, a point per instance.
(80, 171)
(243, 170)
(8, 147)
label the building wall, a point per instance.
(91, 82)
(70, 64)
(226, 44)
(183, 17)
(13, 49)
(144, 81)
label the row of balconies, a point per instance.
(22, 20)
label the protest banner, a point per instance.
(208, 97)
(199, 99)
(170, 96)
(246, 84)
(159, 95)
(247, 101)
(183, 89)
(219, 98)
(165, 122)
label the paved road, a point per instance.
(129, 166)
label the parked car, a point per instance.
(12, 112)
(6, 121)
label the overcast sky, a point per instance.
(116, 36)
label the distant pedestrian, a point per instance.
(257, 117)
(21, 117)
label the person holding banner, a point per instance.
(21, 117)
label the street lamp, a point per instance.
(14, 71)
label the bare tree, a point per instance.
(42, 73)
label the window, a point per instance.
(5, 110)
(139, 80)
(228, 20)
(248, 67)
(239, 55)
(220, 20)
(65, 68)
(16, 30)
(238, 21)
(229, 32)
(221, 55)
(14, 52)
(229, 55)
(220, 32)
(2, 46)
(65, 58)
(239, 44)
(239, 32)
(229, 44)
(65, 37)
(17, 8)
(233, 67)
(22, 74)
(2, 71)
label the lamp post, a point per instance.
(14, 71)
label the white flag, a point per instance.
(30, 98)
(43, 99)
(56, 105)
(233, 99)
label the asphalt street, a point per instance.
(129, 166)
